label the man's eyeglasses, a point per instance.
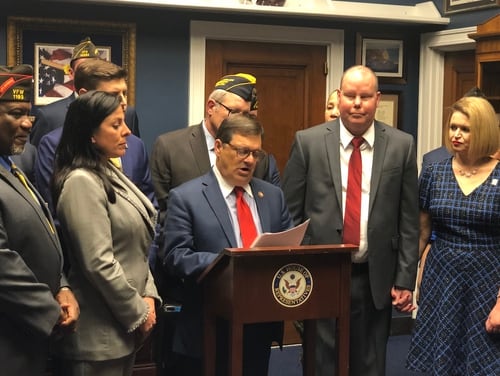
(243, 153)
(230, 111)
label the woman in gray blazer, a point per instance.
(107, 226)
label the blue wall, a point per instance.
(162, 58)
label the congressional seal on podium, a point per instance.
(292, 285)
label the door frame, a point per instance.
(431, 72)
(200, 31)
(431, 82)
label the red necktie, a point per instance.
(248, 230)
(353, 195)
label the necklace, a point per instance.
(473, 170)
(467, 174)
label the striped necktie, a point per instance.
(352, 213)
(19, 175)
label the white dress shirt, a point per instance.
(367, 160)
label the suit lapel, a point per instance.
(217, 203)
(332, 149)
(199, 148)
(379, 150)
(40, 208)
(140, 202)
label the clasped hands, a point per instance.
(402, 300)
(70, 310)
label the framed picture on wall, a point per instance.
(24, 34)
(383, 55)
(455, 6)
(51, 71)
(388, 110)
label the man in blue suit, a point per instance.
(202, 220)
(51, 116)
(95, 74)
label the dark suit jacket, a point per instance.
(435, 155)
(52, 116)
(182, 155)
(197, 228)
(26, 161)
(313, 189)
(135, 165)
(30, 276)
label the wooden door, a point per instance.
(291, 85)
(291, 88)
(459, 78)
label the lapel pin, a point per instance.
(260, 194)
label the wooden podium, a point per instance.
(262, 284)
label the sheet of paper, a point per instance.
(289, 238)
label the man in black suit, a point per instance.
(316, 184)
(34, 296)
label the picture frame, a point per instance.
(24, 33)
(389, 109)
(52, 80)
(456, 6)
(384, 56)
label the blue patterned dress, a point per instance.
(461, 277)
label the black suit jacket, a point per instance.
(30, 276)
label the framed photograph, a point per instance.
(455, 6)
(388, 110)
(51, 71)
(29, 40)
(385, 56)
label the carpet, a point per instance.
(287, 362)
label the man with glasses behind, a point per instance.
(188, 153)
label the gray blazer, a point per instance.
(313, 189)
(109, 274)
(30, 276)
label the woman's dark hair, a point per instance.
(76, 149)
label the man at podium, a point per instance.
(225, 208)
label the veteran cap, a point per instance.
(86, 49)
(241, 84)
(254, 105)
(16, 83)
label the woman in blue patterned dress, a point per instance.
(460, 200)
